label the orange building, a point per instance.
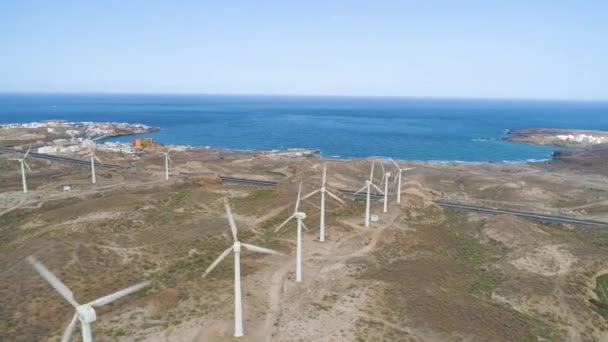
(144, 143)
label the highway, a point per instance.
(361, 195)
(80, 162)
(245, 181)
(255, 182)
(525, 214)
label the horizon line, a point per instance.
(421, 97)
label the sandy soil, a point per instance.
(421, 273)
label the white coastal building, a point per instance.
(582, 138)
(47, 149)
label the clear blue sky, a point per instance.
(513, 49)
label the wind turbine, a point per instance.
(323, 191)
(85, 313)
(167, 161)
(385, 178)
(23, 166)
(92, 149)
(398, 179)
(299, 216)
(368, 186)
(236, 248)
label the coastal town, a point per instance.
(66, 138)
(61, 136)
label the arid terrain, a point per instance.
(421, 273)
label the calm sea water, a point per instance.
(404, 128)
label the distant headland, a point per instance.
(558, 137)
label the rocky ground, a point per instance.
(421, 273)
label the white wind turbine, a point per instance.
(167, 162)
(398, 179)
(236, 248)
(368, 186)
(84, 312)
(93, 157)
(385, 177)
(323, 191)
(23, 167)
(299, 216)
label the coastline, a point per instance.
(138, 129)
(531, 136)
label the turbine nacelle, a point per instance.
(86, 313)
(236, 247)
(368, 182)
(299, 215)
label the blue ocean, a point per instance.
(403, 128)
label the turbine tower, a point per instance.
(299, 216)
(167, 162)
(398, 179)
(385, 178)
(368, 186)
(236, 249)
(85, 313)
(23, 167)
(93, 157)
(323, 190)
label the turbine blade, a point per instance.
(27, 166)
(395, 179)
(233, 228)
(324, 173)
(169, 158)
(118, 294)
(310, 194)
(377, 188)
(63, 290)
(363, 188)
(383, 176)
(396, 165)
(332, 195)
(382, 166)
(283, 224)
(27, 153)
(408, 168)
(371, 174)
(98, 160)
(217, 261)
(67, 333)
(298, 200)
(304, 225)
(259, 249)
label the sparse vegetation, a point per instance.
(432, 269)
(601, 289)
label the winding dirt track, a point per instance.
(277, 281)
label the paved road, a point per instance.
(529, 215)
(80, 162)
(245, 181)
(361, 195)
(255, 182)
